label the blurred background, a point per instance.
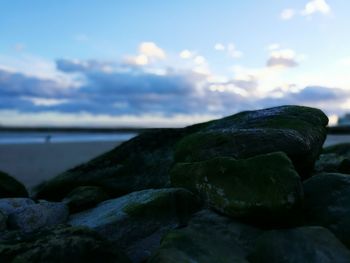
(78, 71)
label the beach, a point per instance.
(32, 163)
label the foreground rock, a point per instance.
(137, 221)
(208, 238)
(327, 203)
(299, 245)
(84, 197)
(36, 216)
(297, 131)
(10, 205)
(60, 245)
(10, 187)
(334, 159)
(264, 188)
(3, 219)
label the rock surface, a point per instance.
(137, 221)
(208, 238)
(9, 205)
(10, 187)
(84, 197)
(299, 245)
(36, 216)
(334, 159)
(327, 203)
(261, 188)
(297, 131)
(3, 219)
(58, 245)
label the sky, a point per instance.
(163, 63)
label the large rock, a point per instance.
(3, 219)
(208, 238)
(297, 131)
(137, 221)
(9, 205)
(10, 187)
(84, 197)
(334, 159)
(327, 203)
(36, 216)
(60, 245)
(141, 163)
(299, 245)
(261, 188)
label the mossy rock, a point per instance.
(334, 159)
(327, 199)
(10, 187)
(138, 220)
(209, 237)
(299, 245)
(60, 245)
(85, 197)
(298, 131)
(263, 188)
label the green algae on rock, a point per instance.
(10, 187)
(297, 131)
(264, 186)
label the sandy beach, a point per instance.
(36, 162)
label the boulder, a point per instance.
(327, 199)
(334, 159)
(209, 237)
(263, 188)
(3, 219)
(9, 205)
(58, 245)
(10, 187)
(298, 131)
(36, 216)
(299, 245)
(84, 197)
(137, 221)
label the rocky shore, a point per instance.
(254, 187)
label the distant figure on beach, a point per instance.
(48, 139)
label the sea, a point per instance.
(62, 137)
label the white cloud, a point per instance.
(199, 60)
(151, 50)
(45, 101)
(316, 6)
(230, 49)
(344, 61)
(287, 14)
(219, 47)
(186, 54)
(284, 58)
(273, 46)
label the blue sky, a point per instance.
(169, 63)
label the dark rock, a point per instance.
(297, 131)
(261, 188)
(334, 159)
(60, 245)
(34, 217)
(138, 220)
(327, 203)
(299, 245)
(10, 187)
(3, 219)
(9, 205)
(84, 197)
(208, 238)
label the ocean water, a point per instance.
(61, 137)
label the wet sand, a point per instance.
(33, 163)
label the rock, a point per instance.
(140, 163)
(9, 205)
(334, 159)
(3, 219)
(299, 245)
(263, 188)
(10, 187)
(58, 245)
(297, 131)
(137, 221)
(327, 199)
(208, 238)
(84, 197)
(36, 216)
